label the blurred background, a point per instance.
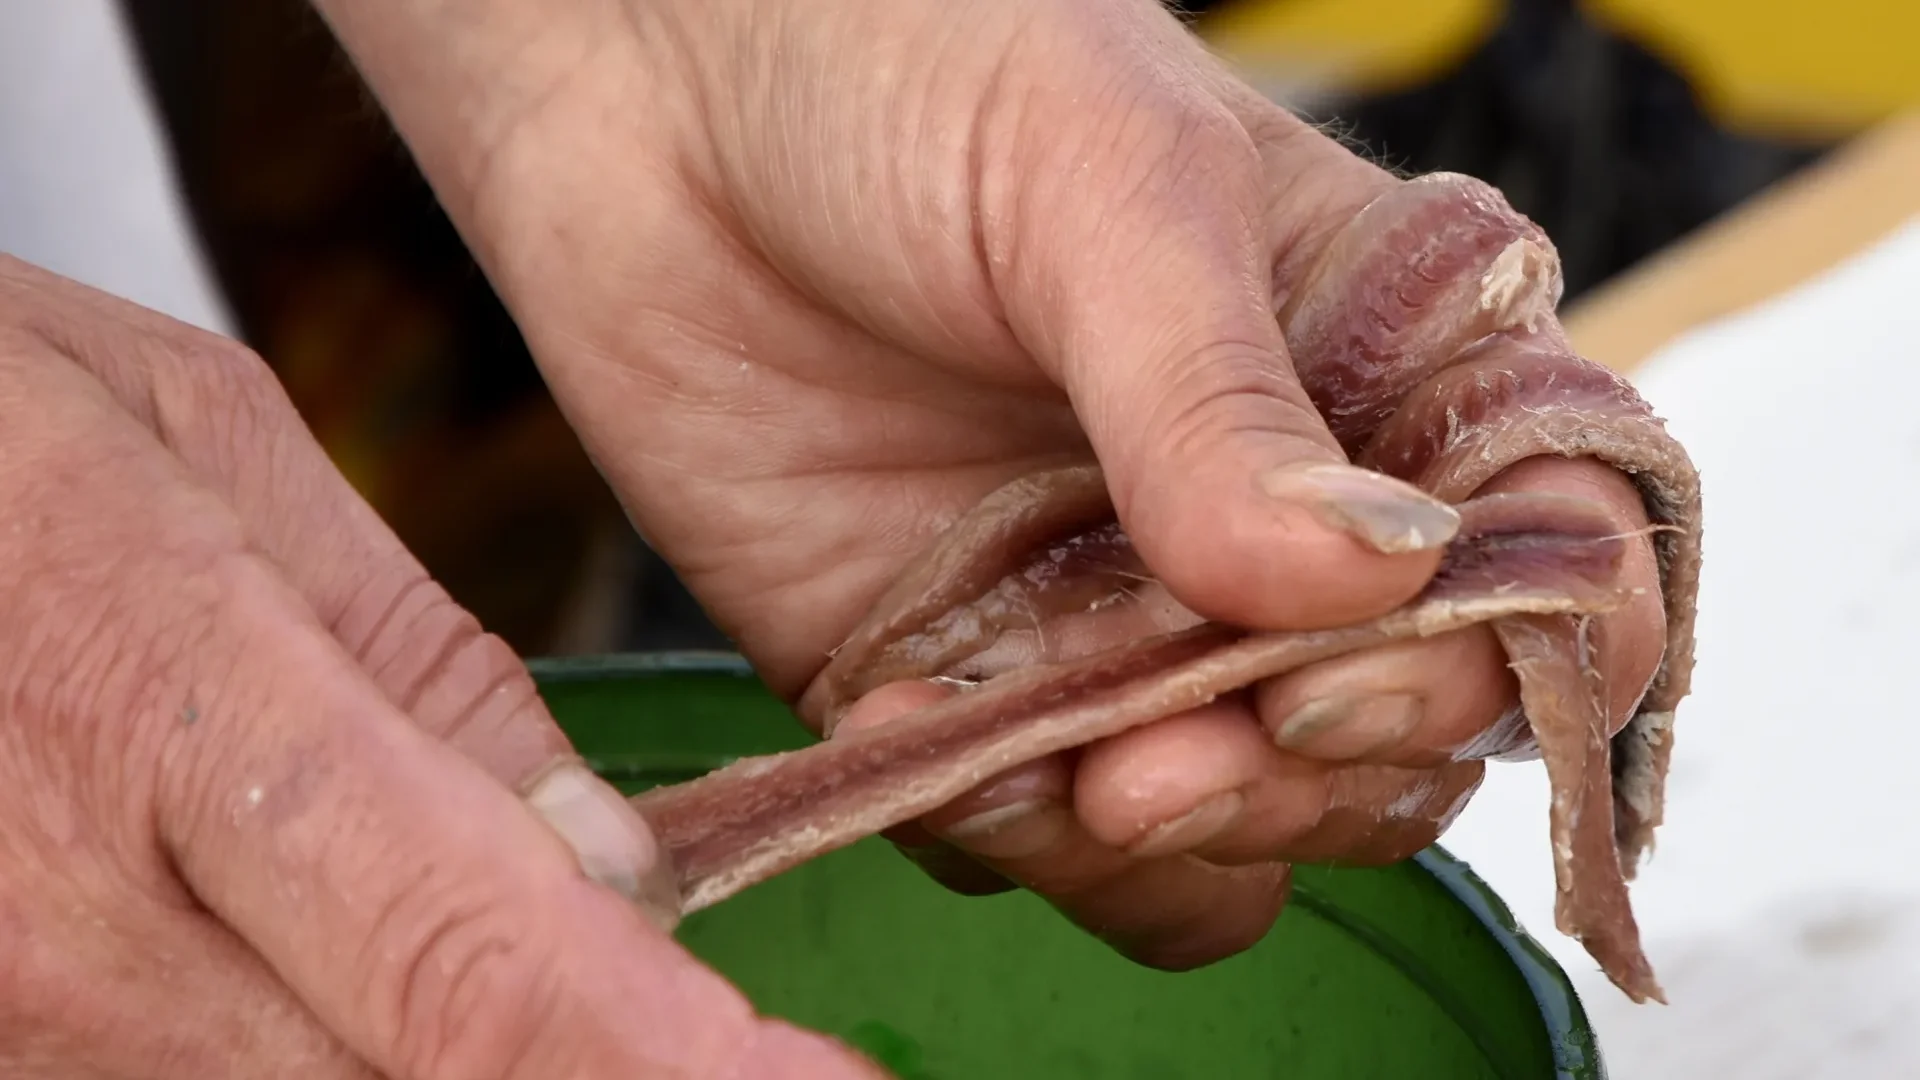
(1620, 125)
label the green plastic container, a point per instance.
(1415, 972)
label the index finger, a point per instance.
(1467, 701)
(219, 411)
(411, 902)
(415, 905)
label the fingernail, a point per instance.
(1191, 829)
(1018, 830)
(1388, 515)
(994, 820)
(1344, 728)
(609, 838)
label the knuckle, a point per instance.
(407, 632)
(207, 382)
(484, 702)
(112, 624)
(1100, 94)
(166, 667)
(118, 582)
(435, 662)
(1220, 390)
(219, 362)
(1172, 155)
(168, 375)
(1206, 145)
(471, 992)
(1180, 136)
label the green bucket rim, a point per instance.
(1576, 1055)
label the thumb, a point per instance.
(1144, 289)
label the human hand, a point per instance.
(812, 278)
(267, 789)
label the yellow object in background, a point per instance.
(1355, 46)
(1790, 67)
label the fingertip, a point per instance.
(1209, 784)
(1633, 639)
(1281, 806)
(612, 842)
(1172, 784)
(1347, 726)
(1011, 815)
(1417, 703)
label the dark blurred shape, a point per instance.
(1594, 137)
(345, 274)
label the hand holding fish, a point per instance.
(1020, 239)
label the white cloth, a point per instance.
(1782, 907)
(86, 182)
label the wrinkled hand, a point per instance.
(258, 774)
(813, 277)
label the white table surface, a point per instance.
(1782, 907)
